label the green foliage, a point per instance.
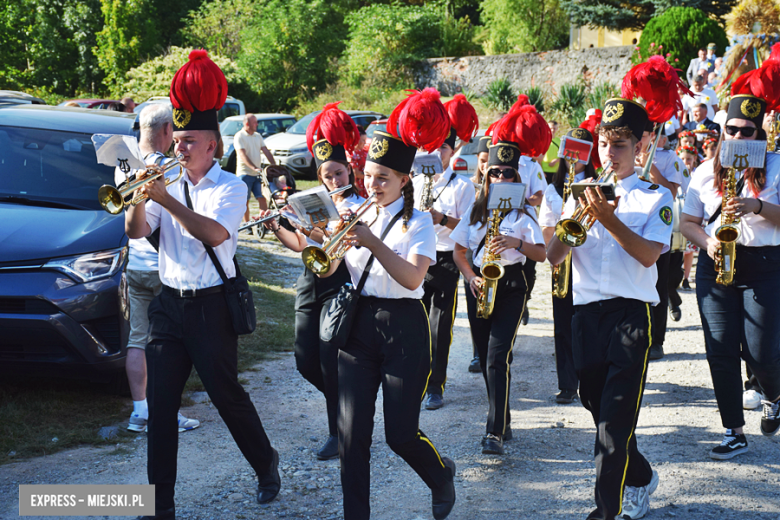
(717, 9)
(216, 26)
(458, 37)
(289, 51)
(618, 15)
(375, 98)
(599, 93)
(681, 31)
(523, 26)
(499, 95)
(570, 105)
(536, 98)
(128, 36)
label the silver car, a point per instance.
(267, 125)
(464, 162)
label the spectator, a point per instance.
(718, 66)
(711, 57)
(116, 107)
(712, 79)
(129, 104)
(550, 160)
(700, 118)
(701, 94)
(695, 65)
(357, 159)
(250, 148)
(709, 147)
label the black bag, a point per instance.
(238, 295)
(337, 324)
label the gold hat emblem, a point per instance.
(579, 133)
(613, 112)
(378, 148)
(750, 109)
(324, 151)
(505, 154)
(181, 117)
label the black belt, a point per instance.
(192, 293)
(611, 304)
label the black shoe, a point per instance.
(474, 366)
(433, 402)
(732, 445)
(161, 514)
(770, 422)
(656, 352)
(508, 434)
(492, 445)
(686, 285)
(442, 500)
(268, 486)
(566, 396)
(524, 317)
(675, 313)
(329, 450)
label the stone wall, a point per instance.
(548, 70)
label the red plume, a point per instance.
(463, 117)
(525, 127)
(775, 54)
(420, 120)
(656, 82)
(763, 82)
(334, 125)
(522, 100)
(199, 85)
(590, 125)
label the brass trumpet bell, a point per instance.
(571, 232)
(316, 260)
(114, 199)
(111, 199)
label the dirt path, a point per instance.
(547, 472)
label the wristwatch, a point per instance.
(444, 220)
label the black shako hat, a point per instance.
(620, 112)
(504, 153)
(389, 151)
(747, 107)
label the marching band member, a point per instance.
(390, 342)
(521, 131)
(330, 137)
(190, 323)
(680, 262)
(614, 287)
(740, 320)
(448, 198)
(550, 213)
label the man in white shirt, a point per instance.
(695, 65)
(250, 147)
(701, 94)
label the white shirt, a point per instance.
(351, 203)
(720, 118)
(452, 199)
(253, 146)
(670, 166)
(532, 175)
(603, 270)
(672, 126)
(419, 239)
(550, 210)
(702, 200)
(706, 96)
(516, 224)
(143, 257)
(184, 263)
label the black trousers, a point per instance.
(441, 301)
(661, 311)
(389, 345)
(187, 332)
(494, 338)
(676, 275)
(529, 271)
(741, 322)
(611, 340)
(316, 360)
(563, 311)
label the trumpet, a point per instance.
(280, 214)
(319, 259)
(561, 272)
(573, 231)
(114, 199)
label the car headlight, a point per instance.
(90, 267)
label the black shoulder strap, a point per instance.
(209, 249)
(740, 185)
(364, 278)
(445, 186)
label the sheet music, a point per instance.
(118, 151)
(427, 163)
(741, 154)
(572, 148)
(506, 196)
(314, 206)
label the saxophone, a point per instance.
(492, 270)
(727, 234)
(561, 272)
(426, 198)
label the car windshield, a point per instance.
(373, 128)
(47, 167)
(470, 148)
(302, 124)
(227, 128)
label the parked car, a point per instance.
(267, 125)
(464, 161)
(12, 97)
(91, 103)
(232, 106)
(63, 293)
(290, 150)
(379, 124)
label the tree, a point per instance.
(216, 26)
(523, 26)
(681, 31)
(617, 15)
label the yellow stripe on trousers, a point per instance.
(452, 327)
(430, 354)
(638, 401)
(426, 439)
(508, 354)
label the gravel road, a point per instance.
(546, 473)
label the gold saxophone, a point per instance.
(727, 234)
(560, 272)
(492, 270)
(426, 198)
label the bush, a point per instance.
(681, 31)
(499, 95)
(570, 105)
(523, 26)
(216, 26)
(536, 98)
(599, 93)
(377, 99)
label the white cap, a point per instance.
(590, 112)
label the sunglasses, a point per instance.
(495, 173)
(747, 131)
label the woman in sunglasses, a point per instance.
(742, 320)
(519, 238)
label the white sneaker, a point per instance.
(137, 424)
(636, 500)
(751, 399)
(186, 424)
